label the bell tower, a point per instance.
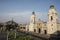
(32, 22)
(52, 20)
(32, 19)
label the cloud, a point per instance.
(21, 17)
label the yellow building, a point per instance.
(49, 27)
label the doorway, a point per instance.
(34, 30)
(39, 30)
(45, 31)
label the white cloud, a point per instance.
(22, 17)
(18, 16)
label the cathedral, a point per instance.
(49, 27)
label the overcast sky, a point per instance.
(21, 10)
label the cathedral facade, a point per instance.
(49, 27)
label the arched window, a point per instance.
(45, 31)
(51, 24)
(51, 18)
(39, 30)
(34, 30)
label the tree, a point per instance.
(11, 25)
(1, 26)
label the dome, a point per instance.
(33, 13)
(52, 6)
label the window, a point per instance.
(39, 24)
(45, 31)
(34, 30)
(39, 30)
(52, 28)
(27, 29)
(51, 24)
(51, 18)
(23, 27)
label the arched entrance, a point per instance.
(45, 31)
(34, 30)
(39, 30)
